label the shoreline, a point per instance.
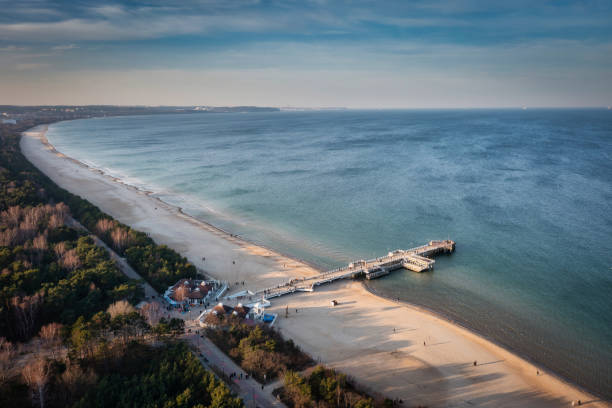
(151, 194)
(478, 333)
(179, 210)
(235, 237)
(254, 255)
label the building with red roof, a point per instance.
(190, 291)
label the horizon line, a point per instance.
(525, 107)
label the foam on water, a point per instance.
(526, 195)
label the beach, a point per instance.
(396, 350)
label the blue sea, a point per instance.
(526, 194)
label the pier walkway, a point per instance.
(415, 259)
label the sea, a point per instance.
(526, 195)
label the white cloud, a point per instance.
(405, 22)
(65, 47)
(11, 48)
(134, 27)
(109, 11)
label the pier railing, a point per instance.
(415, 257)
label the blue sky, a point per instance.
(361, 54)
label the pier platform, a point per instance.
(416, 259)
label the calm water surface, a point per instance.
(525, 194)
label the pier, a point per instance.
(416, 259)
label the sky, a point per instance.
(301, 53)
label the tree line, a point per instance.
(51, 272)
(116, 358)
(21, 184)
(259, 350)
(324, 388)
(69, 333)
(263, 353)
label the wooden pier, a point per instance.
(415, 259)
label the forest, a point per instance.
(324, 388)
(50, 272)
(263, 353)
(259, 350)
(69, 332)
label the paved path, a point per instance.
(121, 262)
(127, 269)
(250, 390)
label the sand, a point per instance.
(374, 340)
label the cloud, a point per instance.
(65, 47)
(109, 11)
(402, 57)
(11, 48)
(29, 66)
(471, 21)
(348, 42)
(277, 87)
(406, 22)
(133, 28)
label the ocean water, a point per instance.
(526, 194)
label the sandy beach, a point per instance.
(395, 349)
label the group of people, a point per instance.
(235, 375)
(239, 376)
